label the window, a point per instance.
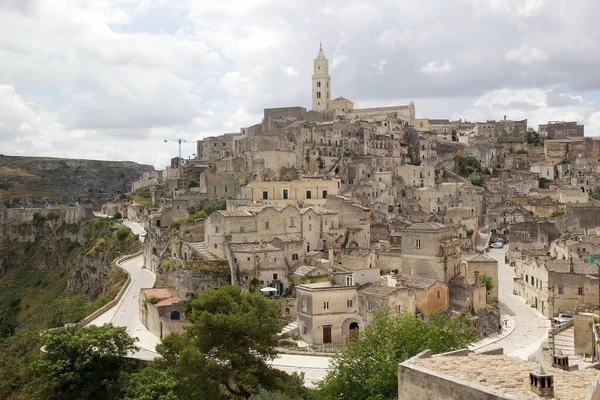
(350, 303)
(241, 229)
(225, 189)
(304, 304)
(285, 194)
(324, 194)
(304, 330)
(370, 305)
(318, 95)
(247, 258)
(267, 225)
(292, 222)
(214, 189)
(349, 280)
(294, 256)
(325, 305)
(526, 278)
(265, 195)
(274, 277)
(217, 229)
(310, 227)
(579, 290)
(308, 194)
(332, 226)
(417, 243)
(561, 290)
(318, 84)
(438, 294)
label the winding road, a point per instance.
(531, 327)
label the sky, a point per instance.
(111, 79)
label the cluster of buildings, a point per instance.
(339, 211)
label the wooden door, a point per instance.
(327, 334)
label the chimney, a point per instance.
(541, 383)
(560, 361)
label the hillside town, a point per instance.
(337, 212)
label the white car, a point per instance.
(497, 245)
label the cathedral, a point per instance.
(342, 108)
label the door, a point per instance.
(354, 331)
(326, 334)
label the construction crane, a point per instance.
(180, 140)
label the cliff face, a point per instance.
(66, 180)
(84, 250)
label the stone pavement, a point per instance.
(530, 326)
(314, 367)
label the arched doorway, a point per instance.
(175, 315)
(354, 332)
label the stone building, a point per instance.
(553, 286)
(430, 250)
(431, 295)
(66, 214)
(476, 265)
(459, 375)
(560, 130)
(308, 191)
(161, 312)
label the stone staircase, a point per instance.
(564, 340)
(288, 329)
(201, 248)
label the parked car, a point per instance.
(561, 319)
(501, 239)
(497, 245)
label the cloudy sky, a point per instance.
(110, 79)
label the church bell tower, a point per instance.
(321, 82)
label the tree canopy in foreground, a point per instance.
(368, 368)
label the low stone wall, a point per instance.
(117, 298)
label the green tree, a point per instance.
(223, 353)
(489, 283)
(192, 183)
(151, 383)
(368, 368)
(82, 364)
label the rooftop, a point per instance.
(377, 289)
(418, 281)
(509, 375)
(476, 257)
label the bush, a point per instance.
(118, 215)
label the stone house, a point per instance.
(430, 294)
(583, 217)
(161, 312)
(542, 206)
(553, 286)
(417, 175)
(475, 265)
(263, 262)
(327, 313)
(467, 295)
(531, 238)
(374, 296)
(544, 170)
(560, 130)
(309, 191)
(500, 218)
(430, 250)
(575, 246)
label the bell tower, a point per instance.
(321, 82)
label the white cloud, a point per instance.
(527, 55)
(379, 66)
(119, 71)
(536, 105)
(435, 67)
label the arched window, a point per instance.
(175, 315)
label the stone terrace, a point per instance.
(509, 375)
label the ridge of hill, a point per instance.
(50, 180)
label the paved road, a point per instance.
(531, 327)
(126, 313)
(314, 367)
